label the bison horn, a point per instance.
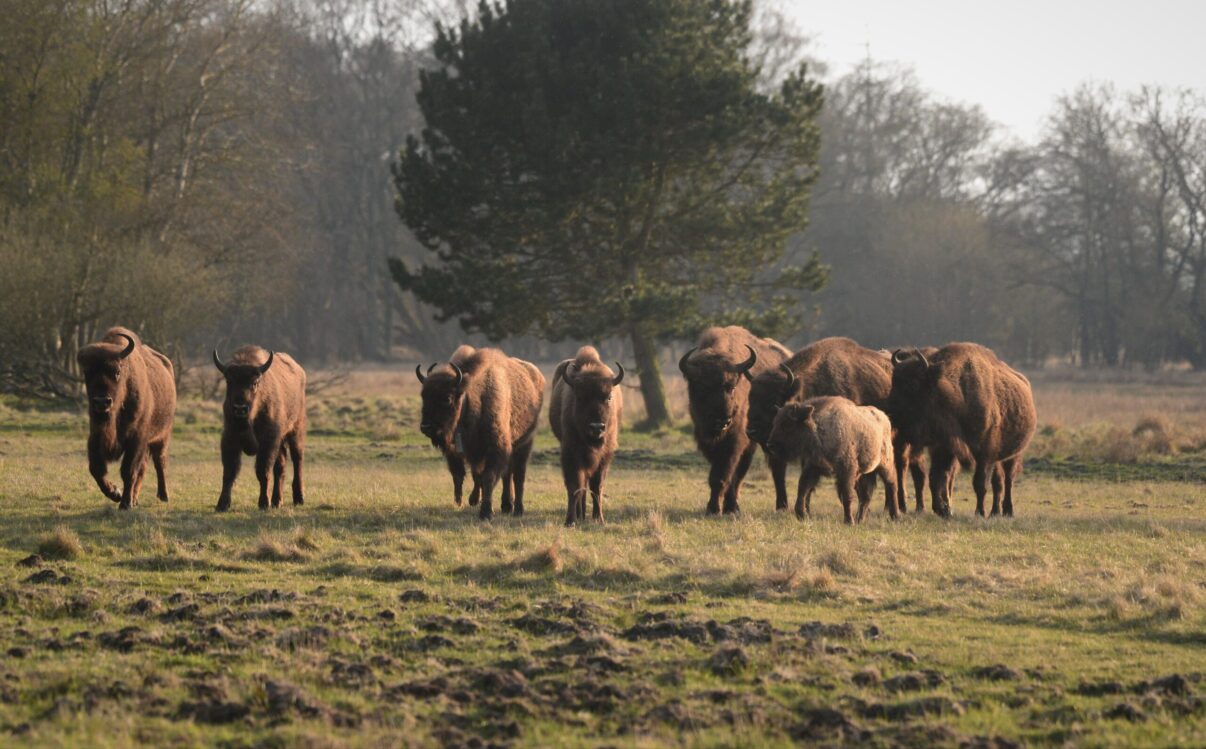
(921, 356)
(898, 357)
(129, 346)
(749, 363)
(682, 363)
(419, 373)
(620, 377)
(264, 367)
(568, 374)
(460, 375)
(791, 377)
(218, 363)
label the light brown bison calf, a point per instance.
(454, 459)
(131, 405)
(585, 416)
(487, 410)
(264, 415)
(831, 436)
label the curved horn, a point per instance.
(791, 376)
(129, 347)
(419, 373)
(460, 375)
(264, 367)
(620, 377)
(921, 356)
(568, 374)
(898, 357)
(749, 363)
(218, 363)
(433, 366)
(682, 363)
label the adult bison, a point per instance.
(964, 403)
(585, 414)
(718, 371)
(455, 460)
(264, 415)
(830, 367)
(486, 409)
(131, 405)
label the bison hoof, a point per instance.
(485, 515)
(222, 507)
(123, 506)
(299, 500)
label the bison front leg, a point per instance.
(475, 495)
(901, 454)
(942, 466)
(848, 491)
(918, 472)
(456, 467)
(159, 458)
(575, 493)
(809, 478)
(980, 483)
(99, 468)
(133, 465)
(732, 494)
(232, 461)
(778, 471)
(596, 491)
(265, 460)
(891, 493)
(278, 477)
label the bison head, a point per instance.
(717, 390)
(593, 394)
(768, 392)
(791, 426)
(104, 369)
(912, 376)
(242, 387)
(443, 394)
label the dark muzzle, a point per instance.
(596, 429)
(720, 425)
(240, 410)
(102, 406)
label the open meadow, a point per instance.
(379, 614)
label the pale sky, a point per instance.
(1015, 57)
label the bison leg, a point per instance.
(902, 453)
(278, 476)
(1011, 469)
(778, 471)
(159, 457)
(456, 467)
(133, 461)
(998, 486)
(809, 478)
(980, 482)
(918, 471)
(733, 492)
(941, 476)
(575, 493)
(891, 492)
(265, 460)
(232, 460)
(724, 459)
(519, 473)
(508, 491)
(475, 495)
(847, 492)
(596, 491)
(297, 443)
(489, 477)
(864, 487)
(99, 468)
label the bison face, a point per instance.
(443, 395)
(593, 395)
(768, 392)
(104, 369)
(912, 376)
(791, 425)
(717, 391)
(242, 388)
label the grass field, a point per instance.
(378, 614)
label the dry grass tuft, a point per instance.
(61, 543)
(838, 562)
(269, 549)
(548, 559)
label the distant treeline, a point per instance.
(218, 171)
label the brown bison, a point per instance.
(455, 460)
(718, 373)
(264, 415)
(832, 436)
(964, 403)
(585, 416)
(830, 366)
(131, 405)
(486, 409)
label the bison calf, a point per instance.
(486, 410)
(264, 415)
(831, 436)
(131, 405)
(585, 416)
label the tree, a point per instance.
(593, 169)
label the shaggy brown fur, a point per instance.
(131, 405)
(486, 410)
(718, 372)
(830, 366)
(832, 436)
(455, 460)
(964, 403)
(264, 415)
(585, 416)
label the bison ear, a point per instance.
(800, 412)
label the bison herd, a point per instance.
(838, 409)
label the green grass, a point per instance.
(302, 627)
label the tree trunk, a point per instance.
(644, 351)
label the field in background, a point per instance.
(380, 614)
